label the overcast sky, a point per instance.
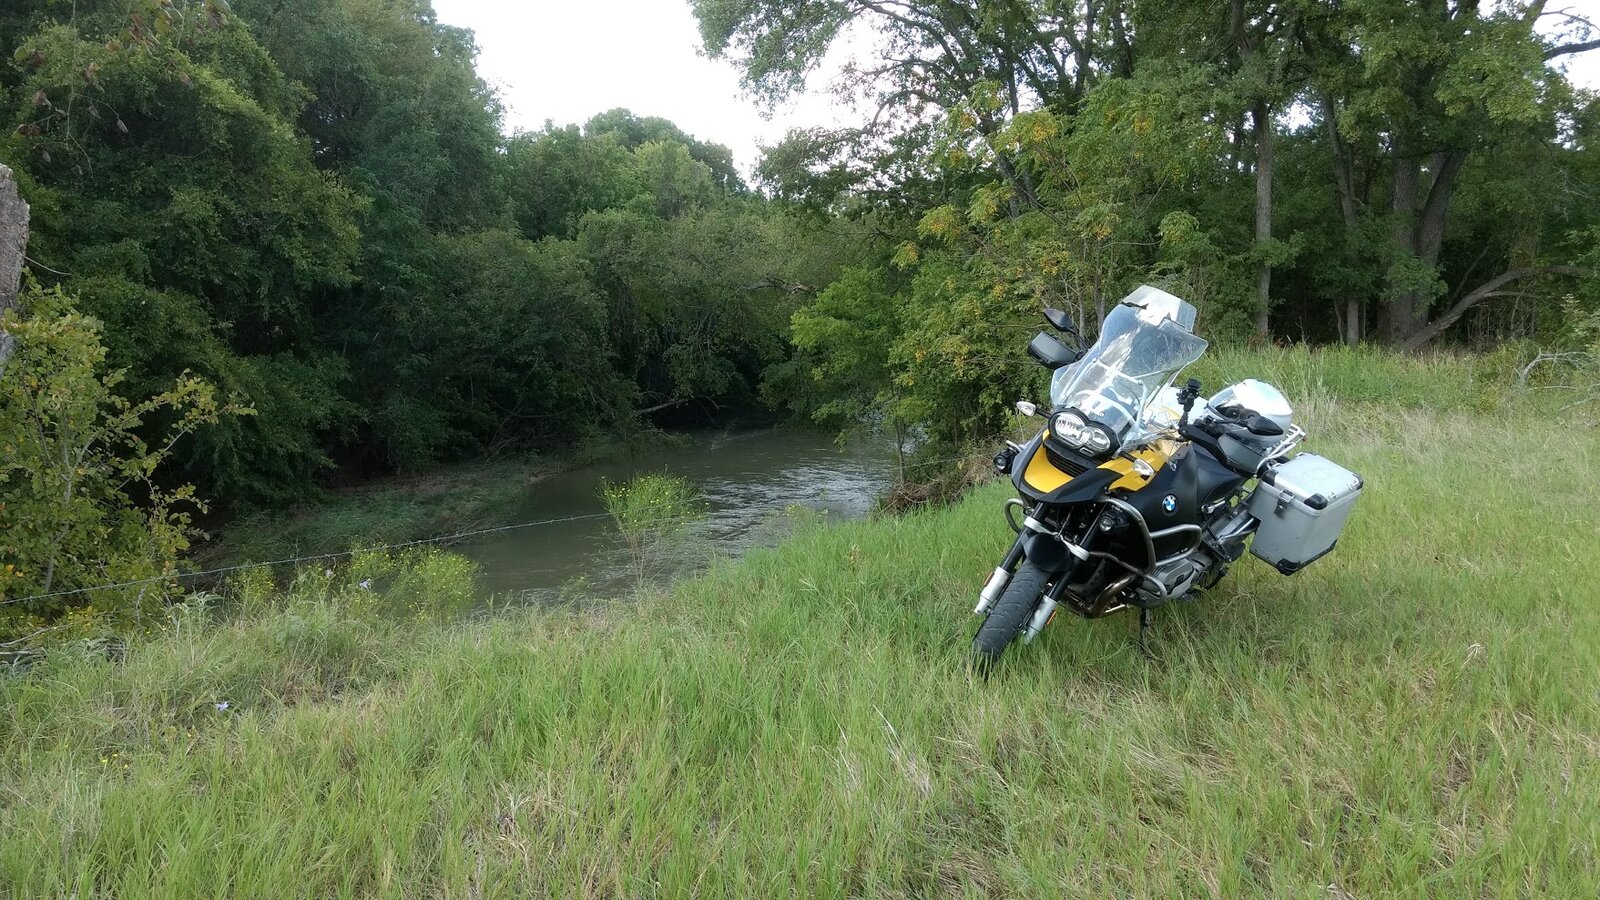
(565, 60)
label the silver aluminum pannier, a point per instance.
(1302, 506)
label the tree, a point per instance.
(633, 132)
(191, 220)
(554, 176)
(1419, 91)
(936, 57)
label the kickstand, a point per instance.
(1144, 626)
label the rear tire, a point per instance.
(1009, 616)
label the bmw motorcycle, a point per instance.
(1130, 498)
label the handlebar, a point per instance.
(1209, 434)
(1205, 434)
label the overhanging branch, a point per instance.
(1485, 291)
(1569, 49)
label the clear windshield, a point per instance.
(1140, 352)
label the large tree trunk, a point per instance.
(1419, 235)
(13, 243)
(1261, 116)
(1399, 316)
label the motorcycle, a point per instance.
(1129, 498)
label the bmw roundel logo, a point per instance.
(1170, 503)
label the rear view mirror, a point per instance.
(1051, 353)
(1060, 321)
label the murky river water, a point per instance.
(751, 479)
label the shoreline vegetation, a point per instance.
(1408, 714)
(460, 497)
(445, 500)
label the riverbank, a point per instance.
(473, 495)
(447, 500)
(1413, 714)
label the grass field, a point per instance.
(1417, 714)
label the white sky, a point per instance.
(566, 60)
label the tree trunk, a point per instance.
(1261, 116)
(1430, 227)
(1400, 315)
(13, 243)
(1344, 181)
(1419, 235)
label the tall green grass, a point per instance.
(1415, 714)
(1441, 381)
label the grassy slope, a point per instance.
(1416, 713)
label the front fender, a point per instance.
(1044, 551)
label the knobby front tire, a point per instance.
(1009, 616)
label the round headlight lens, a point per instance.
(1096, 440)
(1068, 427)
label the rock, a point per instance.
(13, 243)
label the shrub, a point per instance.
(652, 512)
(82, 502)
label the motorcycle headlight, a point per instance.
(1089, 438)
(1097, 440)
(1068, 427)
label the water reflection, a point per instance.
(749, 478)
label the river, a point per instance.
(751, 479)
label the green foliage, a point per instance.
(1298, 171)
(699, 302)
(555, 176)
(633, 132)
(84, 499)
(840, 377)
(310, 204)
(406, 585)
(521, 338)
(177, 194)
(653, 513)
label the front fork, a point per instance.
(1001, 577)
(1048, 603)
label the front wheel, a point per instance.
(1009, 615)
